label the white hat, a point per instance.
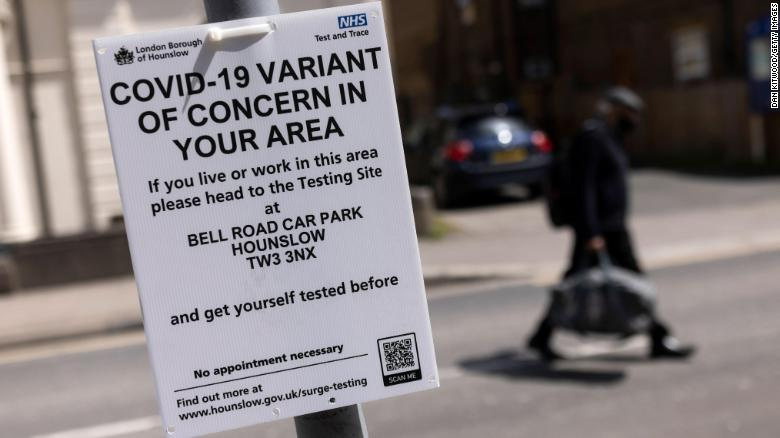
(626, 98)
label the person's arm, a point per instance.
(585, 163)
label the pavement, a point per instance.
(678, 220)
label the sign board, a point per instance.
(691, 54)
(763, 99)
(269, 217)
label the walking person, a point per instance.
(599, 210)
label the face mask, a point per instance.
(625, 126)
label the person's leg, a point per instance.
(620, 248)
(580, 257)
(541, 340)
(662, 343)
(542, 336)
(658, 331)
(544, 331)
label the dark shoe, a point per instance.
(543, 349)
(670, 348)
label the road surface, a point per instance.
(491, 387)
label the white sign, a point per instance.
(691, 54)
(266, 200)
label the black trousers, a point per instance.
(620, 249)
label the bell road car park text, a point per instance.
(268, 211)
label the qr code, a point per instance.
(400, 359)
(399, 355)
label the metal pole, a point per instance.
(346, 422)
(32, 117)
(223, 10)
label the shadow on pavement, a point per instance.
(517, 365)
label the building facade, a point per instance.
(688, 59)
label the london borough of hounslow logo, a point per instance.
(124, 56)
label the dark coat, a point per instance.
(599, 166)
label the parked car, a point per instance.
(467, 150)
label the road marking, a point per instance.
(601, 348)
(110, 429)
(711, 250)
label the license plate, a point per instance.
(510, 156)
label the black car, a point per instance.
(466, 151)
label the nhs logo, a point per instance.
(357, 20)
